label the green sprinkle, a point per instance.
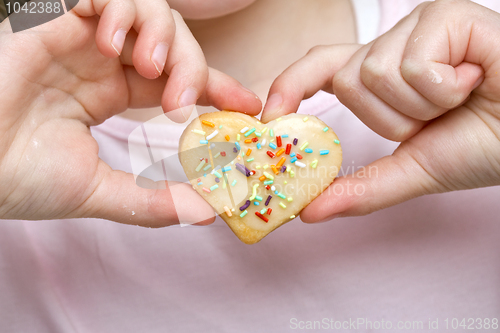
(223, 183)
(250, 159)
(213, 188)
(282, 196)
(271, 133)
(258, 198)
(249, 132)
(268, 182)
(207, 167)
(217, 174)
(202, 163)
(282, 205)
(263, 211)
(336, 141)
(259, 134)
(325, 129)
(243, 214)
(305, 119)
(220, 126)
(304, 145)
(233, 183)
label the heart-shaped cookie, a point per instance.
(259, 176)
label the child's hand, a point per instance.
(413, 85)
(64, 76)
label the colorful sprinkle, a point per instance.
(300, 164)
(228, 212)
(304, 145)
(278, 141)
(256, 203)
(282, 205)
(198, 132)
(336, 141)
(282, 196)
(263, 210)
(299, 156)
(272, 145)
(257, 167)
(281, 162)
(325, 129)
(269, 211)
(198, 168)
(271, 133)
(273, 167)
(220, 126)
(265, 166)
(262, 178)
(200, 183)
(308, 150)
(237, 145)
(283, 169)
(226, 168)
(254, 191)
(284, 136)
(207, 167)
(295, 141)
(217, 179)
(248, 141)
(206, 190)
(255, 139)
(249, 132)
(288, 148)
(259, 134)
(289, 199)
(278, 119)
(250, 159)
(217, 155)
(217, 174)
(265, 219)
(243, 169)
(292, 154)
(268, 199)
(243, 130)
(245, 206)
(292, 217)
(258, 198)
(324, 152)
(238, 137)
(204, 122)
(268, 182)
(268, 175)
(258, 145)
(273, 188)
(305, 119)
(211, 136)
(223, 153)
(264, 130)
(213, 188)
(243, 214)
(270, 154)
(314, 164)
(264, 142)
(203, 142)
(233, 183)
(293, 160)
(280, 152)
(249, 151)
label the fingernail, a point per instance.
(177, 116)
(159, 57)
(273, 104)
(119, 40)
(188, 97)
(186, 103)
(249, 91)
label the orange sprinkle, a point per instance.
(274, 169)
(249, 151)
(281, 162)
(262, 178)
(248, 141)
(281, 151)
(204, 122)
(227, 137)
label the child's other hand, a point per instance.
(432, 83)
(61, 77)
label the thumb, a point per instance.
(381, 184)
(119, 197)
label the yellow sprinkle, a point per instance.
(265, 166)
(264, 130)
(238, 137)
(314, 164)
(199, 132)
(304, 145)
(257, 167)
(259, 123)
(285, 182)
(282, 205)
(289, 199)
(268, 175)
(254, 192)
(292, 174)
(278, 119)
(305, 119)
(292, 217)
(288, 168)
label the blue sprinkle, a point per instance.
(256, 203)
(284, 136)
(204, 175)
(292, 154)
(276, 192)
(203, 142)
(293, 160)
(226, 169)
(308, 150)
(324, 152)
(259, 145)
(200, 183)
(237, 145)
(272, 145)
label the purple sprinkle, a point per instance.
(217, 179)
(283, 169)
(243, 169)
(268, 199)
(235, 150)
(295, 141)
(245, 206)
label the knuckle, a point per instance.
(375, 72)
(344, 84)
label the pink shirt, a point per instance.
(432, 258)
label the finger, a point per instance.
(156, 30)
(222, 91)
(187, 71)
(370, 109)
(116, 19)
(442, 58)
(381, 71)
(118, 197)
(304, 78)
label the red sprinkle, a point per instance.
(253, 172)
(278, 141)
(288, 148)
(206, 160)
(255, 139)
(269, 210)
(222, 153)
(270, 153)
(299, 156)
(268, 187)
(265, 219)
